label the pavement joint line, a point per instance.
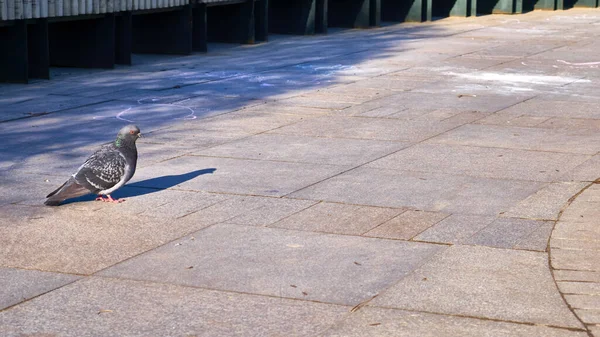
(286, 217)
(379, 225)
(259, 160)
(522, 149)
(227, 222)
(577, 281)
(272, 68)
(407, 207)
(549, 256)
(497, 247)
(525, 57)
(437, 222)
(95, 273)
(351, 204)
(39, 295)
(41, 270)
(545, 93)
(411, 239)
(53, 112)
(479, 318)
(361, 165)
(501, 215)
(218, 290)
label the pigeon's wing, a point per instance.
(102, 170)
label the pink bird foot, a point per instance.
(109, 199)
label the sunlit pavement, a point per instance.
(412, 180)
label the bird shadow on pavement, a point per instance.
(159, 183)
(149, 185)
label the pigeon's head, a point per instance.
(128, 134)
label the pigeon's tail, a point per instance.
(70, 189)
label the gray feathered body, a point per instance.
(102, 173)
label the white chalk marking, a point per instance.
(579, 64)
(516, 78)
(121, 113)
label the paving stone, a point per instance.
(19, 285)
(547, 203)
(466, 84)
(242, 121)
(338, 218)
(481, 162)
(40, 107)
(406, 225)
(359, 94)
(583, 301)
(476, 62)
(463, 99)
(188, 136)
(323, 103)
(109, 307)
(338, 95)
(510, 232)
(147, 112)
(368, 128)
(581, 288)
(511, 49)
(588, 316)
(577, 275)
(538, 239)
(379, 112)
(595, 330)
(75, 241)
(149, 154)
(583, 124)
(575, 244)
(423, 100)
(552, 108)
(164, 203)
(390, 82)
(584, 260)
(326, 268)
(29, 189)
(521, 138)
(282, 108)
(590, 196)
(501, 118)
(54, 163)
(270, 211)
(381, 109)
(397, 323)
(424, 191)
(583, 231)
(587, 171)
(455, 228)
(581, 212)
(237, 176)
(331, 151)
(483, 282)
(206, 106)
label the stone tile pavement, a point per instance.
(433, 179)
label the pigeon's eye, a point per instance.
(132, 132)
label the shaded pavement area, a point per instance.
(428, 179)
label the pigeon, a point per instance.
(103, 172)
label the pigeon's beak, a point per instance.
(139, 135)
